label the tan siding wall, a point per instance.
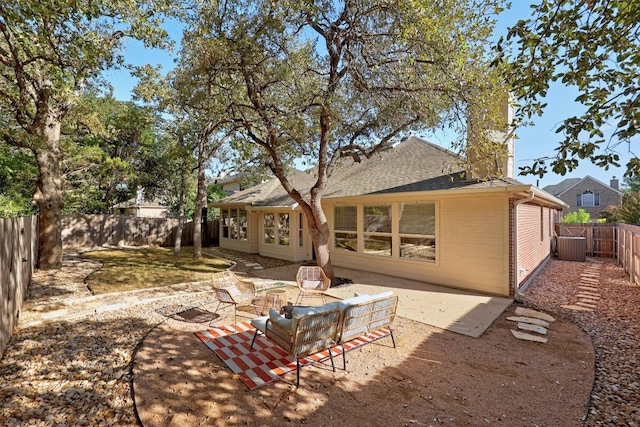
(236, 245)
(472, 245)
(253, 232)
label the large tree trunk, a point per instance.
(201, 198)
(319, 229)
(49, 196)
(178, 242)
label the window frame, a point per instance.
(421, 236)
(383, 232)
(234, 223)
(346, 234)
(349, 240)
(280, 235)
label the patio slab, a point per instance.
(455, 310)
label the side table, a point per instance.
(274, 298)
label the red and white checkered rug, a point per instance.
(266, 362)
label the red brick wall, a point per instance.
(535, 226)
(608, 197)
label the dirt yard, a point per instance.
(433, 377)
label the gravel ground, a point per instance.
(79, 372)
(611, 318)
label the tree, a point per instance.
(49, 51)
(17, 183)
(628, 212)
(578, 217)
(111, 148)
(325, 80)
(593, 46)
(191, 97)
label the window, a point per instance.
(234, 224)
(377, 229)
(417, 226)
(588, 198)
(300, 229)
(276, 229)
(269, 228)
(225, 223)
(346, 227)
(242, 224)
(283, 229)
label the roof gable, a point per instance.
(566, 185)
(410, 166)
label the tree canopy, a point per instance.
(594, 47)
(49, 52)
(325, 80)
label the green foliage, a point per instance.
(628, 212)
(112, 148)
(327, 79)
(632, 183)
(593, 47)
(578, 217)
(17, 182)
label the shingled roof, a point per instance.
(410, 166)
(561, 187)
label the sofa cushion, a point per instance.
(299, 312)
(279, 319)
(342, 304)
(260, 323)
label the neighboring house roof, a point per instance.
(412, 165)
(566, 185)
(131, 203)
(563, 186)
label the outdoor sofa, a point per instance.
(314, 329)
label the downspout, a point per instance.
(516, 293)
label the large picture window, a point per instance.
(377, 229)
(346, 227)
(234, 224)
(277, 229)
(410, 236)
(417, 228)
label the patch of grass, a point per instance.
(130, 269)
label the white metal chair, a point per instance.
(312, 282)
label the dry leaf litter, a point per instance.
(69, 362)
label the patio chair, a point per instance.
(230, 289)
(312, 282)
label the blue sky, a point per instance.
(533, 142)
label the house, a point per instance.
(139, 207)
(587, 193)
(407, 212)
(229, 183)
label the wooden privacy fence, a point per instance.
(86, 231)
(628, 249)
(18, 257)
(600, 238)
(619, 241)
